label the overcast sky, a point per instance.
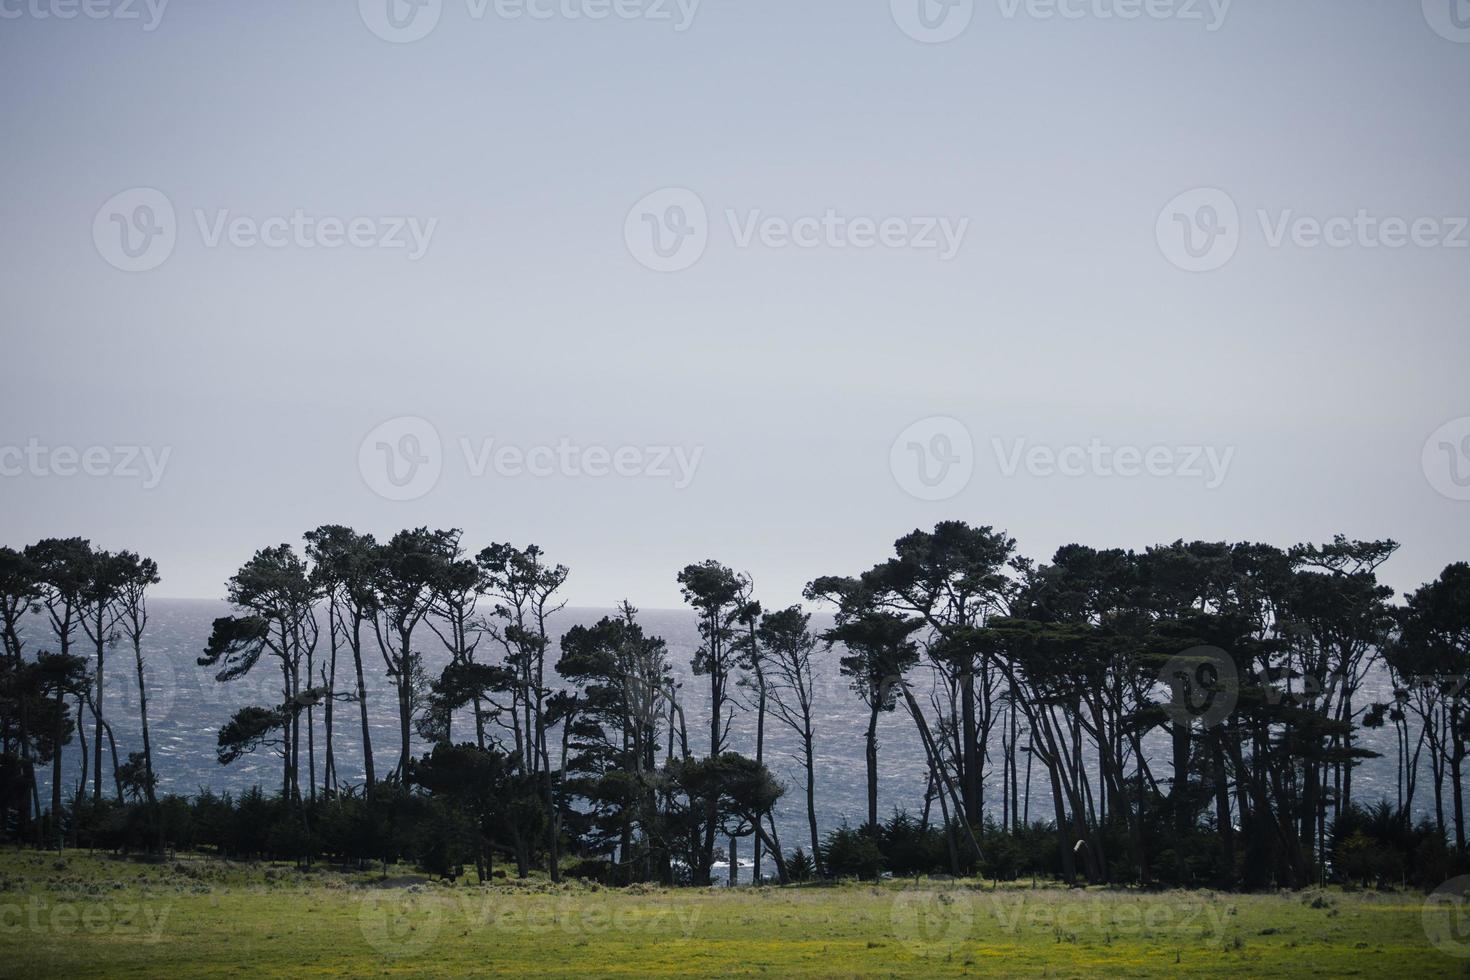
(823, 262)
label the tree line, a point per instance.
(1194, 710)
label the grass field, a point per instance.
(86, 915)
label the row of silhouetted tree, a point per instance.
(1193, 712)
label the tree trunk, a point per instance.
(1222, 805)
(310, 730)
(367, 735)
(872, 751)
(295, 724)
(1180, 789)
(1457, 760)
(329, 777)
(970, 746)
(760, 747)
(707, 852)
(112, 744)
(60, 736)
(97, 709)
(143, 718)
(774, 843)
(405, 722)
(811, 803)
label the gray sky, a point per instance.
(1296, 387)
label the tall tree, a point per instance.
(63, 571)
(100, 613)
(789, 645)
(526, 593)
(714, 592)
(953, 579)
(1433, 645)
(456, 592)
(405, 574)
(275, 592)
(58, 676)
(20, 591)
(751, 658)
(135, 576)
(344, 571)
(622, 676)
(880, 651)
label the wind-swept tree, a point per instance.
(252, 728)
(789, 644)
(1339, 616)
(481, 783)
(135, 575)
(623, 678)
(879, 652)
(456, 592)
(714, 592)
(63, 570)
(743, 793)
(1433, 649)
(953, 579)
(57, 676)
(20, 590)
(405, 575)
(526, 593)
(275, 592)
(101, 610)
(751, 659)
(344, 572)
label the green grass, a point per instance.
(84, 915)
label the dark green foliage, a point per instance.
(800, 866)
(851, 853)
